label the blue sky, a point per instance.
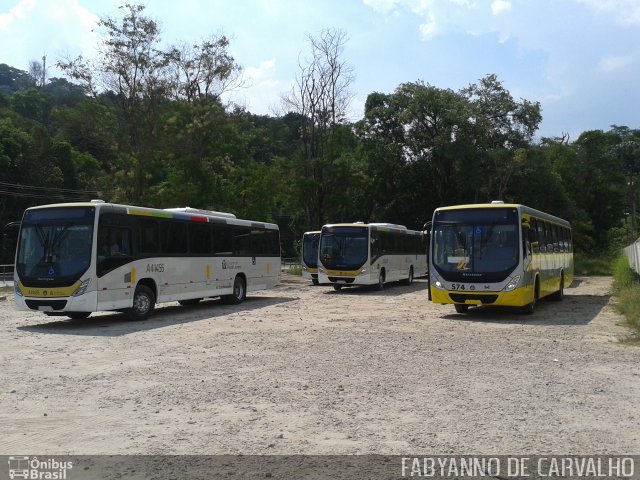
(579, 58)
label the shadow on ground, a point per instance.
(116, 324)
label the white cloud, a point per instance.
(59, 29)
(500, 6)
(626, 12)
(262, 90)
(615, 63)
(263, 72)
(19, 12)
(383, 6)
(429, 29)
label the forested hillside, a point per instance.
(147, 126)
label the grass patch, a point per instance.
(627, 292)
(296, 270)
(591, 266)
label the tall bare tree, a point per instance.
(38, 71)
(321, 96)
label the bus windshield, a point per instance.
(476, 243)
(54, 246)
(310, 249)
(344, 248)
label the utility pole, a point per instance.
(44, 69)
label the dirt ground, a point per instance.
(306, 370)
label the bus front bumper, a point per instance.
(83, 303)
(518, 297)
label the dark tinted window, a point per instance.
(200, 238)
(174, 237)
(148, 237)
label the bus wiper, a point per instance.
(45, 241)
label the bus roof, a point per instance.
(391, 226)
(518, 206)
(185, 213)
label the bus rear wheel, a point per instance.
(380, 284)
(409, 279)
(559, 295)
(144, 301)
(239, 291)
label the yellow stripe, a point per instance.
(343, 273)
(48, 292)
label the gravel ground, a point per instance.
(306, 370)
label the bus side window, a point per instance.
(148, 242)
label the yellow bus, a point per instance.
(309, 256)
(498, 254)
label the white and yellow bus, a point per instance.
(76, 258)
(309, 256)
(498, 254)
(370, 254)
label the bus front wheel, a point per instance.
(460, 308)
(530, 308)
(144, 302)
(78, 315)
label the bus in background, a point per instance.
(370, 254)
(498, 254)
(309, 256)
(76, 258)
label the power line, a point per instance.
(45, 189)
(43, 195)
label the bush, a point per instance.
(590, 266)
(627, 292)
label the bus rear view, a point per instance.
(484, 255)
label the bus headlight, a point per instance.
(438, 284)
(304, 268)
(363, 271)
(320, 269)
(81, 288)
(17, 289)
(512, 284)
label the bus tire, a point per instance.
(144, 301)
(78, 315)
(531, 307)
(239, 291)
(189, 302)
(409, 279)
(315, 281)
(559, 295)
(337, 288)
(380, 284)
(461, 308)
